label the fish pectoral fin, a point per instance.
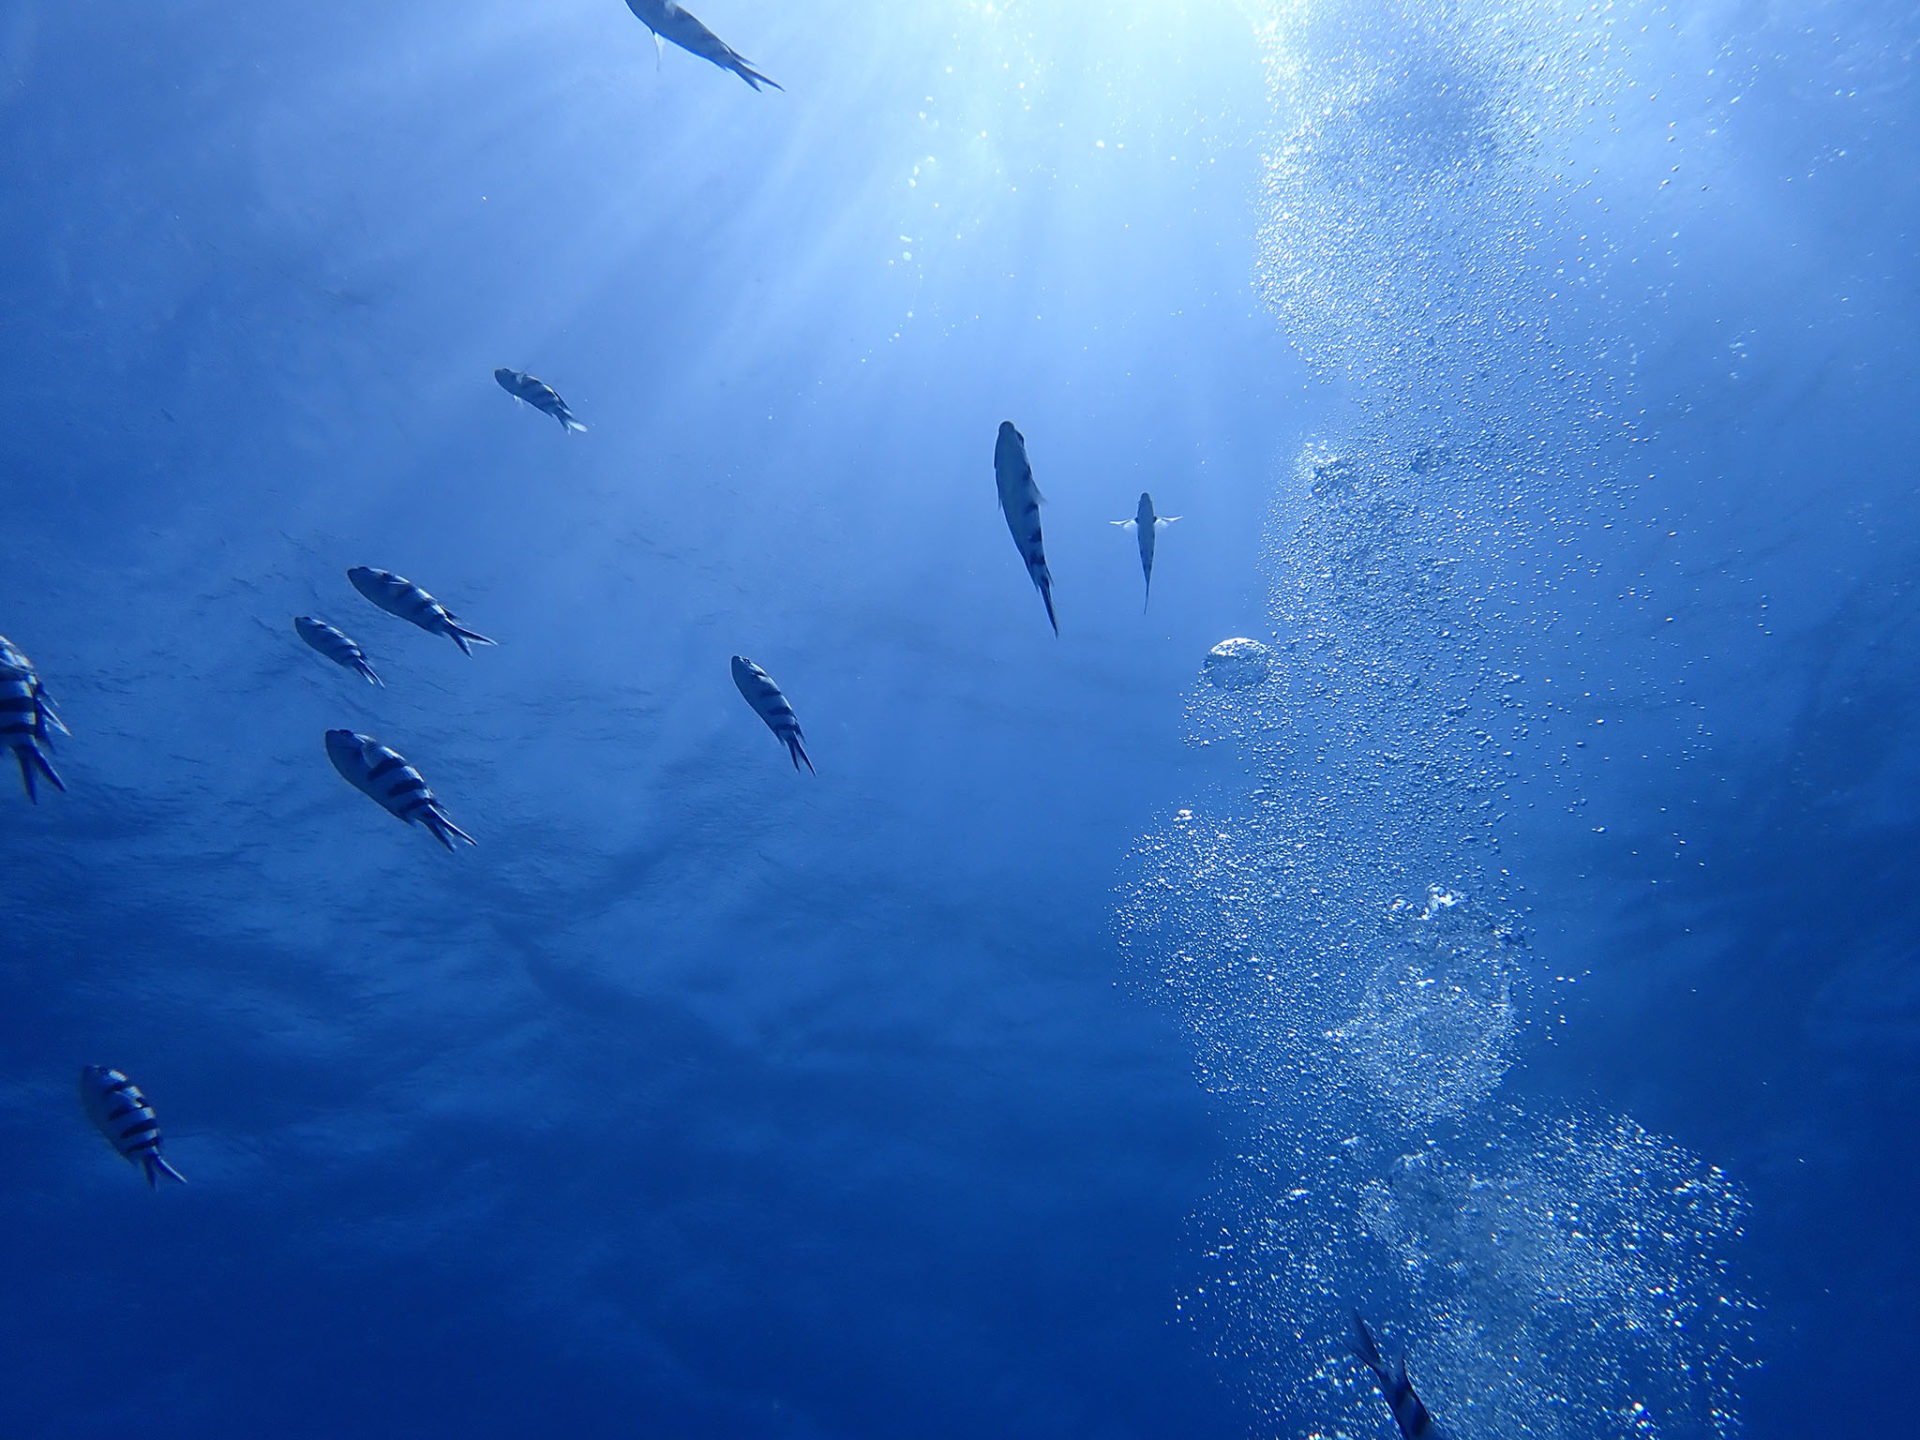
(1125, 524)
(1161, 522)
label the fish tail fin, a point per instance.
(1045, 582)
(798, 750)
(1149, 600)
(461, 636)
(752, 76)
(574, 427)
(156, 1166)
(444, 830)
(1365, 1349)
(367, 670)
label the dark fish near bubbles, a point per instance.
(771, 706)
(668, 21)
(120, 1112)
(399, 596)
(383, 774)
(1408, 1413)
(27, 721)
(1020, 501)
(537, 393)
(336, 646)
(1147, 526)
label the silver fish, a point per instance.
(1147, 525)
(537, 393)
(399, 596)
(1020, 501)
(771, 706)
(384, 774)
(27, 721)
(120, 1112)
(335, 645)
(668, 21)
(1408, 1413)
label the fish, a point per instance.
(1408, 1413)
(335, 645)
(120, 1112)
(27, 720)
(537, 393)
(771, 706)
(1020, 501)
(383, 773)
(399, 596)
(1147, 525)
(668, 21)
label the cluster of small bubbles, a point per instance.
(1342, 940)
(1290, 932)
(1411, 143)
(1544, 1275)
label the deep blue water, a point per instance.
(1528, 959)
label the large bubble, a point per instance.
(1238, 664)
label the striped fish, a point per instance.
(120, 1112)
(1408, 1413)
(335, 645)
(539, 394)
(398, 596)
(384, 774)
(771, 706)
(1148, 525)
(1020, 501)
(27, 720)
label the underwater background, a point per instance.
(1519, 949)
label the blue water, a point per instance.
(1526, 959)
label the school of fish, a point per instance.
(117, 1107)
